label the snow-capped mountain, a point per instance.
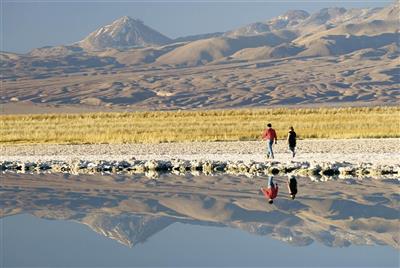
(293, 15)
(291, 18)
(123, 33)
(288, 20)
(353, 37)
(325, 15)
(250, 29)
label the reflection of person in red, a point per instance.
(272, 191)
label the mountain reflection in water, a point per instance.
(336, 213)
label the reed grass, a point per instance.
(214, 125)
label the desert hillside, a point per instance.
(333, 56)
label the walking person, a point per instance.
(292, 186)
(291, 139)
(271, 192)
(269, 135)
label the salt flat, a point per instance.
(374, 151)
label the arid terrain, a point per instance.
(332, 57)
(292, 81)
(355, 151)
(125, 134)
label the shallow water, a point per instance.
(65, 220)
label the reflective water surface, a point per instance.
(66, 220)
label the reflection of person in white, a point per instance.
(269, 135)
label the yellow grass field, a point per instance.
(215, 125)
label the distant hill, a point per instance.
(329, 31)
(207, 50)
(128, 64)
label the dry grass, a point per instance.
(216, 125)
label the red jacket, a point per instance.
(270, 193)
(269, 134)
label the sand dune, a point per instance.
(331, 57)
(257, 83)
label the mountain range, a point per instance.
(353, 53)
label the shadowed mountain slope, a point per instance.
(123, 33)
(331, 57)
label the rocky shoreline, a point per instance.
(318, 158)
(153, 168)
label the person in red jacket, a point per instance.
(272, 191)
(269, 135)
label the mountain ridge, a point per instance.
(124, 32)
(140, 68)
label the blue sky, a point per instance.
(27, 24)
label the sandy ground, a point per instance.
(27, 107)
(376, 151)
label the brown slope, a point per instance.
(204, 51)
